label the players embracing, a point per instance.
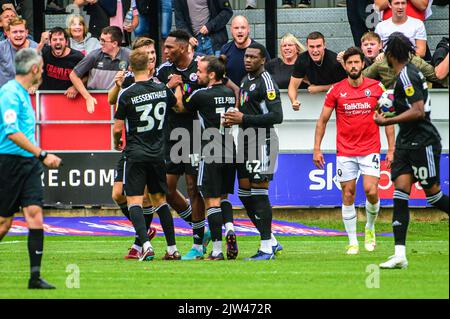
(143, 106)
(216, 170)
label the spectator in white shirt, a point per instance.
(412, 28)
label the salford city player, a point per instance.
(144, 106)
(358, 144)
(217, 171)
(259, 111)
(418, 146)
(123, 80)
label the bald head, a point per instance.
(240, 30)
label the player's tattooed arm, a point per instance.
(174, 81)
(179, 106)
(231, 85)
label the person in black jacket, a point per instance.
(440, 60)
(205, 21)
(101, 12)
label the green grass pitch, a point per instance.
(309, 267)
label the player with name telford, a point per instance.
(144, 106)
(418, 146)
(217, 171)
(358, 143)
(20, 160)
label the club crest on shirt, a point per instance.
(271, 95)
(367, 93)
(252, 87)
(10, 116)
(409, 90)
(193, 77)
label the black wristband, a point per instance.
(42, 155)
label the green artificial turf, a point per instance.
(309, 267)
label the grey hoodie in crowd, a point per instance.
(86, 46)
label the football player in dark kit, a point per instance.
(418, 145)
(217, 171)
(123, 80)
(144, 106)
(260, 109)
(181, 70)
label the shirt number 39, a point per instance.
(148, 120)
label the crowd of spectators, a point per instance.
(87, 54)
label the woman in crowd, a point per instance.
(281, 68)
(80, 38)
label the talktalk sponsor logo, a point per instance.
(324, 180)
(357, 106)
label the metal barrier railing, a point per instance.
(60, 127)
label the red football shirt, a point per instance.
(411, 11)
(357, 133)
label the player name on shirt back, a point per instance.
(148, 97)
(225, 100)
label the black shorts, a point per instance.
(215, 180)
(259, 161)
(422, 164)
(118, 176)
(20, 183)
(140, 174)
(187, 164)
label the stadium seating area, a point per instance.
(332, 22)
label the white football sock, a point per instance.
(350, 219)
(146, 246)
(228, 227)
(400, 251)
(266, 246)
(273, 240)
(171, 249)
(138, 248)
(217, 248)
(372, 211)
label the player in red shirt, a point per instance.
(358, 143)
